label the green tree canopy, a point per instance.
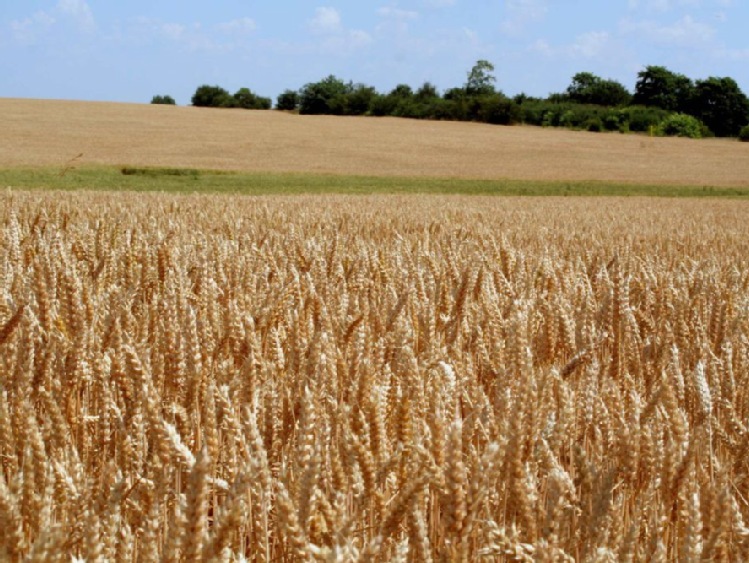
(401, 91)
(481, 80)
(288, 100)
(587, 88)
(212, 97)
(328, 96)
(658, 86)
(163, 100)
(427, 91)
(721, 105)
(247, 99)
(359, 99)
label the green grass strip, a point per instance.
(188, 180)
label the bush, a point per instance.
(641, 118)
(359, 100)
(163, 100)
(212, 97)
(744, 134)
(497, 110)
(246, 99)
(328, 96)
(681, 125)
(594, 125)
(288, 100)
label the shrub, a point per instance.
(498, 110)
(246, 99)
(328, 96)
(163, 100)
(359, 100)
(212, 97)
(288, 100)
(744, 134)
(593, 125)
(681, 125)
(642, 118)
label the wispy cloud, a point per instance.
(326, 20)
(239, 26)
(662, 5)
(30, 29)
(397, 13)
(79, 11)
(26, 30)
(685, 32)
(335, 38)
(521, 13)
(435, 4)
(590, 45)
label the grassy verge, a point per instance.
(179, 180)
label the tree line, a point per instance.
(663, 102)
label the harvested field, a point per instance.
(50, 133)
(373, 378)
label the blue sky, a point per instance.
(130, 50)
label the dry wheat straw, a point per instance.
(379, 379)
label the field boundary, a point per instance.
(193, 180)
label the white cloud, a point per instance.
(397, 14)
(438, 3)
(326, 20)
(343, 43)
(733, 54)
(172, 31)
(80, 11)
(26, 31)
(336, 38)
(590, 45)
(190, 37)
(240, 26)
(685, 32)
(661, 5)
(395, 20)
(520, 13)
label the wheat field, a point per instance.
(51, 133)
(336, 378)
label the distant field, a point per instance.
(49, 134)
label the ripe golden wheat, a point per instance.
(373, 379)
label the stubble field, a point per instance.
(369, 378)
(50, 133)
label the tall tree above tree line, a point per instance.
(481, 80)
(658, 86)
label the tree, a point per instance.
(427, 92)
(497, 110)
(163, 100)
(401, 91)
(359, 99)
(721, 105)
(288, 100)
(587, 88)
(658, 86)
(328, 96)
(246, 99)
(480, 80)
(212, 97)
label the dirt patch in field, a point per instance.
(42, 132)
